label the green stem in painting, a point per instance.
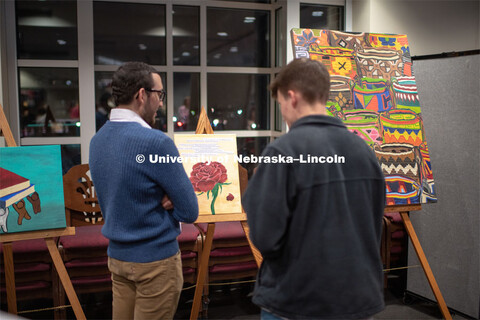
(215, 195)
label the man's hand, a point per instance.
(167, 203)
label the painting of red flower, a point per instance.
(209, 177)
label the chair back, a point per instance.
(81, 202)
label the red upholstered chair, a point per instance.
(190, 242)
(85, 254)
(35, 277)
(231, 256)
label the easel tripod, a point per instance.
(49, 235)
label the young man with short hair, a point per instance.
(317, 225)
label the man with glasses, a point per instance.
(142, 202)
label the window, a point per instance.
(47, 30)
(251, 146)
(186, 101)
(186, 35)
(129, 32)
(216, 54)
(49, 102)
(314, 16)
(238, 101)
(238, 37)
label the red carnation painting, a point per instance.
(209, 178)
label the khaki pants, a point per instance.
(146, 290)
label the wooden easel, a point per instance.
(204, 127)
(404, 210)
(49, 235)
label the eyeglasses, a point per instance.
(161, 93)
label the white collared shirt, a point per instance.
(127, 115)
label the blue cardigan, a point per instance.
(130, 192)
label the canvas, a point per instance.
(210, 163)
(373, 91)
(31, 189)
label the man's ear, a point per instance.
(140, 97)
(292, 95)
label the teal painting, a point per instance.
(31, 189)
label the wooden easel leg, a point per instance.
(58, 296)
(10, 277)
(256, 254)
(64, 278)
(202, 271)
(425, 265)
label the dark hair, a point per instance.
(128, 79)
(309, 77)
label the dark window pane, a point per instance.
(49, 102)
(161, 118)
(321, 17)
(278, 117)
(237, 37)
(280, 37)
(238, 101)
(186, 36)
(71, 156)
(47, 30)
(251, 146)
(104, 101)
(129, 32)
(103, 97)
(186, 101)
(257, 1)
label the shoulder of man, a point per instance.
(158, 140)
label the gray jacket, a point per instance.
(318, 225)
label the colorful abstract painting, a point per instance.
(373, 90)
(31, 189)
(210, 163)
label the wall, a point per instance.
(448, 90)
(432, 26)
(361, 15)
(449, 230)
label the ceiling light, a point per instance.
(234, 49)
(317, 13)
(141, 46)
(61, 42)
(222, 34)
(249, 20)
(186, 54)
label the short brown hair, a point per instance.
(309, 77)
(128, 79)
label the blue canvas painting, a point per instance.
(31, 189)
